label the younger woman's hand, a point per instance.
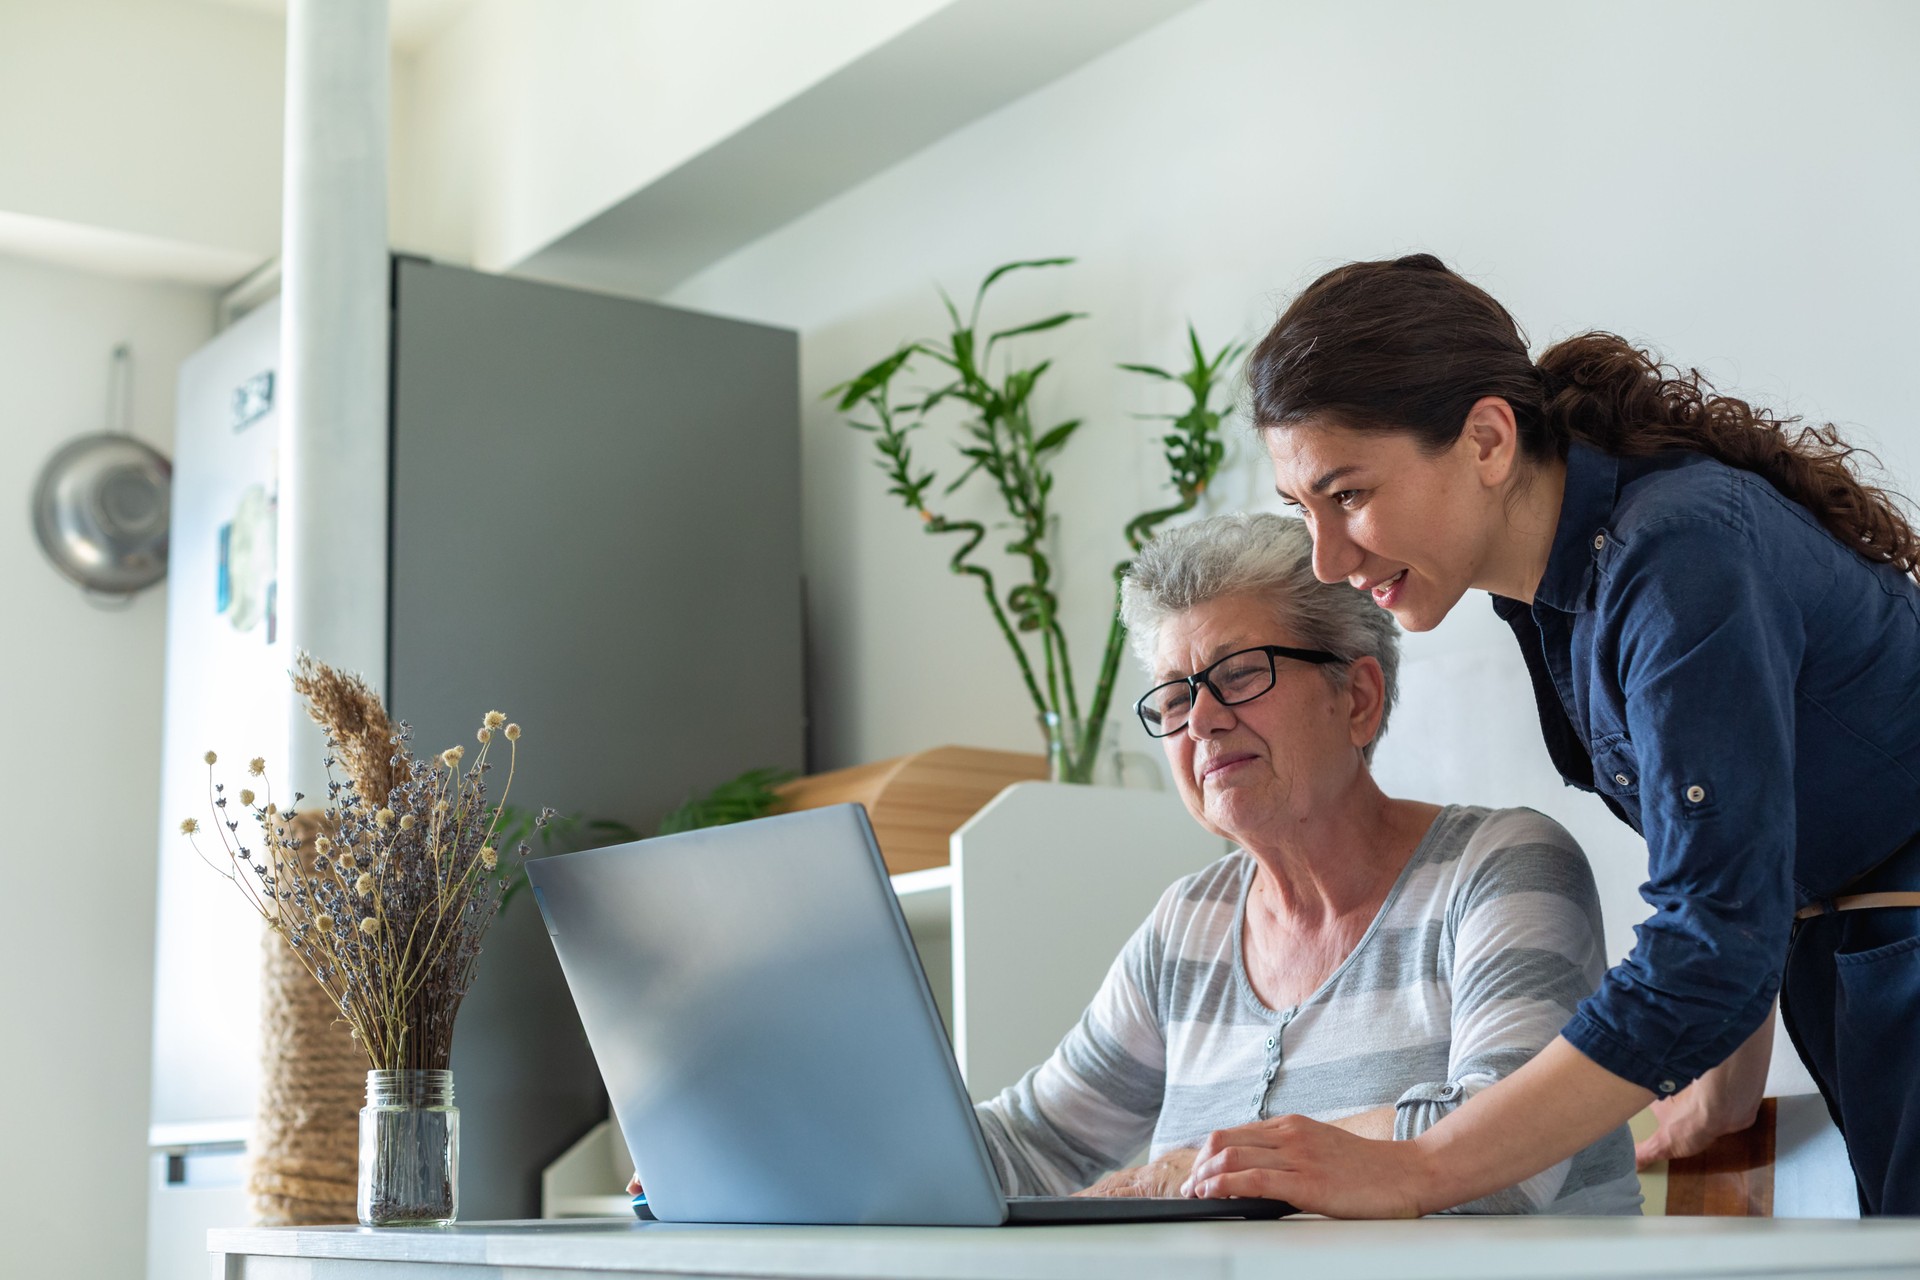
(1724, 1100)
(1317, 1168)
(633, 1184)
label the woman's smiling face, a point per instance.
(1407, 526)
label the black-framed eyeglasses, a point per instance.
(1239, 677)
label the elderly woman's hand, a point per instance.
(1158, 1179)
(633, 1184)
(1317, 1168)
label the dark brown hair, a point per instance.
(1408, 346)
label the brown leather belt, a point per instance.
(1859, 902)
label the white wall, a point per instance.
(78, 768)
(523, 119)
(158, 118)
(1734, 182)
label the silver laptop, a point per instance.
(769, 1041)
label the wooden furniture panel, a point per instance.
(917, 802)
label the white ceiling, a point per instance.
(413, 23)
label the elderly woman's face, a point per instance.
(1273, 759)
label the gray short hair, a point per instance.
(1269, 557)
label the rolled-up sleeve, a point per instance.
(1707, 652)
(1526, 948)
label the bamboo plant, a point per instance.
(1001, 440)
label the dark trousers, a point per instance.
(1851, 1003)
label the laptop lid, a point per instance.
(766, 1034)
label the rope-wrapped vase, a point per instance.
(306, 1122)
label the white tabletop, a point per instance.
(1433, 1248)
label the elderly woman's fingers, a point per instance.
(1315, 1167)
(1121, 1182)
(633, 1184)
(1160, 1177)
(1113, 1184)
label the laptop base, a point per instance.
(1041, 1210)
(1035, 1210)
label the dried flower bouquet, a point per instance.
(385, 892)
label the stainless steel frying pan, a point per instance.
(100, 507)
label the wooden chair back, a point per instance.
(1731, 1178)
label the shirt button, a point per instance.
(1270, 1042)
(1668, 1086)
(1696, 793)
(1599, 541)
(1620, 778)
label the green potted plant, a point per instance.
(1000, 440)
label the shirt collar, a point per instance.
(1593, 486)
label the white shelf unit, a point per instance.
(1046, 883)
(589, 1180)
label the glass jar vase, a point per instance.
(409, 1150)
(1075, 754)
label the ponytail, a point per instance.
(1619, 398)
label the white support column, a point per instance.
(333, 343)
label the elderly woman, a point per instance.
(1361, 960)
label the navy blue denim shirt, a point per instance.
(1742, 690)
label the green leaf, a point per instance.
(1004, 268)
(1057, 437)
(934, 397)
(1020, 382)
(1038, 326)
(1149, 370)
(748, 796)
(964, 475)
(859, 388)
(1020, 385)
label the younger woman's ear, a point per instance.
(1492, 437)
